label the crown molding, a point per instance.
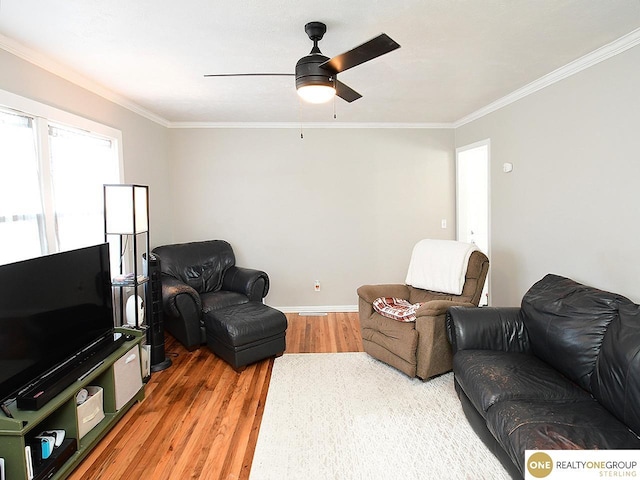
(603, 53)
(61, 71)
(612, 49)
(44, 62)
(305, 125)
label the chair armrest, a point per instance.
(248, 281)
(434, 308)
(487, 328)
(369, 293)
(172, 290)
(183, 311)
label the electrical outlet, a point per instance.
(316, 285)
(443, 223)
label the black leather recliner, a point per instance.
(199, 277)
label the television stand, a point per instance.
(42, 391)
(61, 413)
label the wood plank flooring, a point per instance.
(200, 419)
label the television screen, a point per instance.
(51, 307)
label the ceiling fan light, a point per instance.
(316, 93)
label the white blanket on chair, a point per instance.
(439, 265)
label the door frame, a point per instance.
(482, 143)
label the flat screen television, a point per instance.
(56, 312)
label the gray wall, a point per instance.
(144, 141)
(346, 206)
(343, 206)
(571, 206)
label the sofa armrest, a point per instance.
(487, 328)
(434, 308)
(172, 289)
(369, 293)
(183, 311)
(248, 281)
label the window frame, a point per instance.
(44, 116)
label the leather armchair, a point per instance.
(421, 348)
(199, 277)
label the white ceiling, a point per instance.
(457, 56)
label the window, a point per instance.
(21, 217)
(80, 164)
(52, 168)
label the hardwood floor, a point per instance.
(200, 419)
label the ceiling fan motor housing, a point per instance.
(309, 72)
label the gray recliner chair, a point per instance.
(421, 348)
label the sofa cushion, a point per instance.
(566, 322)
(488, 377)
(201, 265)
(616, 382)
(533, 425)
(221, 299)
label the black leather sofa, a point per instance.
(560, 372)
(198, 278)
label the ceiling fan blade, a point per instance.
(367, 51)
(250, 75)
(346, 93)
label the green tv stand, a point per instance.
(61, 411)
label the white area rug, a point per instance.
(348, 416)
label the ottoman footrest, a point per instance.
(246, 333)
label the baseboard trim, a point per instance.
(310, 309)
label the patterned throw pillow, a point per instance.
(396, 308)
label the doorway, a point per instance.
(472, 200)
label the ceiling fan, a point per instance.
(316, 75)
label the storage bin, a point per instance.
(127, 376)
(91, 412)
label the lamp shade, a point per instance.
(125, 209)
(316, 93)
